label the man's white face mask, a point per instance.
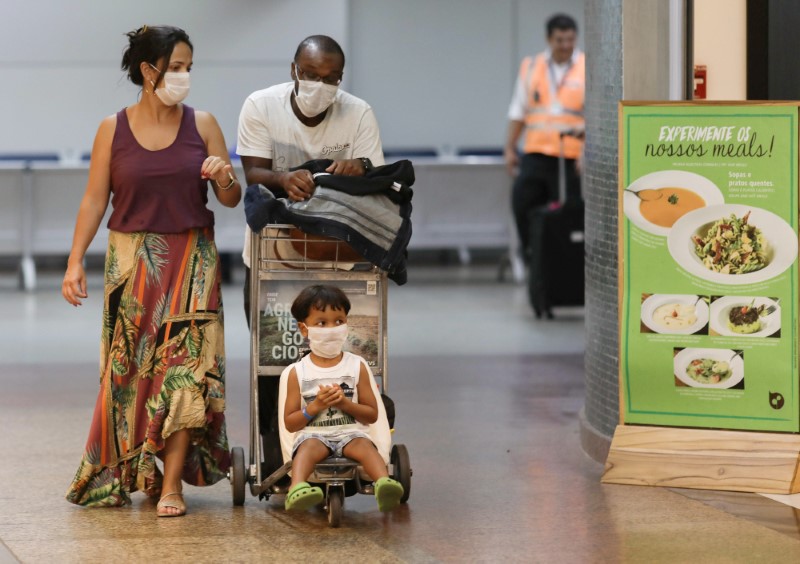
(314, 97)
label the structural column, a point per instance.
(627, 57)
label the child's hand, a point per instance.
(317, 404)
(323, 397)
(330, 395)
(336, 396)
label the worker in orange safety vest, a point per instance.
(548, 100)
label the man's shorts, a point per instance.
(335, 442)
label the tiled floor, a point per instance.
(487, 401)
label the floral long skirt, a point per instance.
(162, 367)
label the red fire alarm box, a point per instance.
(700, 78)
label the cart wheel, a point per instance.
(237, 475)
(335, 506)
(401, 469)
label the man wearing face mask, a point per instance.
(287, 124)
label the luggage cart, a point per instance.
(284, 260)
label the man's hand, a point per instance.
(512, 160)
(350, 167)
(298, 184)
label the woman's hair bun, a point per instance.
(134, 35)
(150, 44)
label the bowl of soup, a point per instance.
(665, 206)
(656, 201)
(675, 314)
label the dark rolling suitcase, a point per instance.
(555, 275)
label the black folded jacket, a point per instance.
(372, 213)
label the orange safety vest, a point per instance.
(544, 120)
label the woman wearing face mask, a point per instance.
(162, 369)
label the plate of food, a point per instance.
(709, 368)
(674, 314)
(742, 316)
(733, 244)
(655, 201)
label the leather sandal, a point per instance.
(176, 504)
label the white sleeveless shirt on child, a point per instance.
(309, 377)
(331, 421)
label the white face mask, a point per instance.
(174, 88)
(327, 342)
(314, 97)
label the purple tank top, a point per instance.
(158, 191)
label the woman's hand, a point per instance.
(74, 286)
(217, 169)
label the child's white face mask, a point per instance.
(327, 342)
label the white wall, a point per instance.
(60, 59)
(438, 72)
(720, 43)
(646, 50)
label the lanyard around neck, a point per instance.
(554, 88)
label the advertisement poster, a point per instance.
(281, 343)
(708, 265)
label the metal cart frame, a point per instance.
(267, 265)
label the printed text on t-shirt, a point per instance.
(327, 150)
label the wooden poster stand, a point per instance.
(745, 461)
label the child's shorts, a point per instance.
(334, 442)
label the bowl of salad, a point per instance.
(733, 244)
(709, 368)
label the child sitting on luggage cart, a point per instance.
(330, 402)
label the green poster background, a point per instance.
(749, 153)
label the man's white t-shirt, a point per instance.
(269, 129)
